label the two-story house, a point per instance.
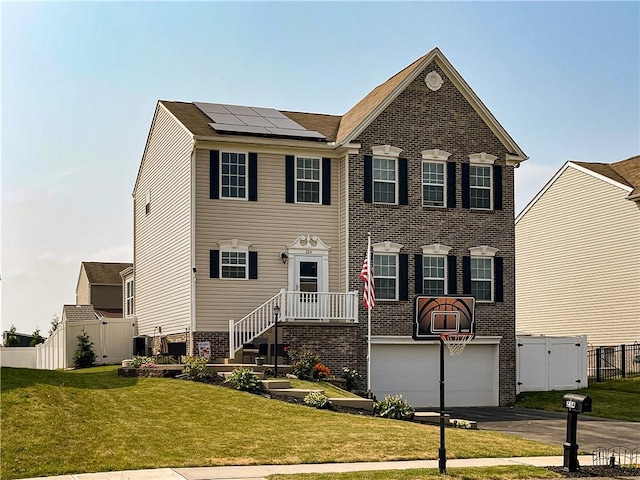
(238, 209)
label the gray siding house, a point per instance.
(238, 209)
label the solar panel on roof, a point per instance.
(254, 120)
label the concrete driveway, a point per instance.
(550, 427)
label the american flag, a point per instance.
(369, 297)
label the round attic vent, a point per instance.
(433, 81)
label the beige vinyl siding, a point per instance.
(270, 224)
(342, 224)
(106, 296)
(162, 238)
(83, 290)
(578, 262)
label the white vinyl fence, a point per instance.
(112, 340)
(551, 363)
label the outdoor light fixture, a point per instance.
(284, 257)
(276, 313)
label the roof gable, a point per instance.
(601, 171)
(365, 111)
(629, 169)
(104, 273)
(78, 313)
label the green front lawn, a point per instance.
(617, 399)
(56, 422)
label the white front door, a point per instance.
(307, 280)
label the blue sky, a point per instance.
(80, 82)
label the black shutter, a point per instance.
(326, 181)
(497, 187)
(465, 186)
(419, 283)
(253, 177)
(253, 265)
(451, 184)
(368, 179)
(466, 275)
(403, 289)
(499, 287)
(452, 278)
(403, 184)
(290, 178)
(214, 174)
(214, 263)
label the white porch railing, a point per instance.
(294, 306)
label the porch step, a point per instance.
(360, 403)
(430, 417)
(276, 384)
(293, 392)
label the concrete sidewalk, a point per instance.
(258, 472)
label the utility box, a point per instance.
(577, 403)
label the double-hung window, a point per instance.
(384, 180)
(385, 271)
(234, 264)
(128, 297)
(308, 177)
(433, 184)
(480, 186)
(482, 278)
(233, 176)
(433, 275)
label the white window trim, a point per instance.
(435, 249)
(319, 181)
(395, 182)
(385, 152)
(388, 248)
(129, 312)
(444, 279)
(147, 202)
(483, 158)
(443, 185)
(435, 154)
(246, 175)
(485, 251)
(235, 245)
(490, 187)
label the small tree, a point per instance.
(12, 340)
(84, 357)
(55, 321)
(37, 338)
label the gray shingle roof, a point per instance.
(104, 273)
(78, 313)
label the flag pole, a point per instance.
(369, 282)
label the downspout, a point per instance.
(192, 254)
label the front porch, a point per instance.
(291, 308)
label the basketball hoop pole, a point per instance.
(442, 451)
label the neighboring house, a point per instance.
(24, 339)
(578, 254)
(100, 285)
(237, 209)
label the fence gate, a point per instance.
(551, 363)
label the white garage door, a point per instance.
(413, 371)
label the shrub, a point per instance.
(244, 379)
(302, 364)
(142, 362)
(37, 338)
(12, 339)
(320, 371)
(394, 407)
(352, 377)
(461, 423)
(84, 356)
(195, 367)
(317, 400)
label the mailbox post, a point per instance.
(574, 404)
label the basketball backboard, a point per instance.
(443, 314)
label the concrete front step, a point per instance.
(276, 384)
(430, 417)
(360, 403)
(293, 392)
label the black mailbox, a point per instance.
(577, 403)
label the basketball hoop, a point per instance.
(456, 342)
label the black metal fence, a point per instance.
(619, 361)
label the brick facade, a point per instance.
(420, 119)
